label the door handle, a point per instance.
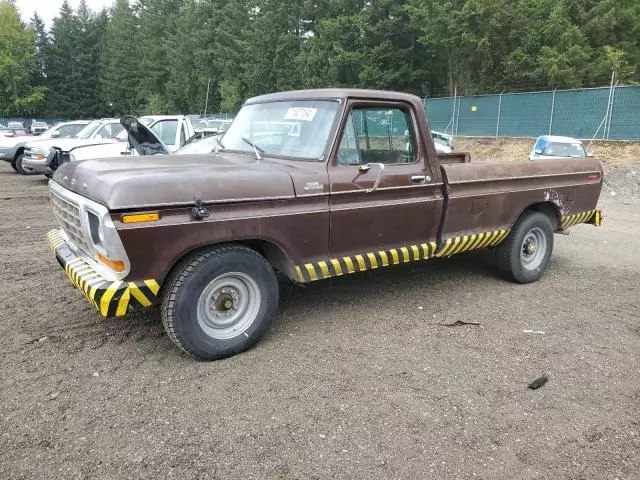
(366, 168)
(418, 178)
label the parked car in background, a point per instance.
(149, 135)
(552, 146)
(442, 141)
(37, 152)
(13, 151)
(16, 125)
(38, 128)
(10, 141)
(211, 127)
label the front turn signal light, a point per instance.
(140, 217)
(117, 265)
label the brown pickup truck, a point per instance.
(312, 184)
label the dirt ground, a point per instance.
(358, 378)
(612, 154)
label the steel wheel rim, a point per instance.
(228, 305)
(533, 248)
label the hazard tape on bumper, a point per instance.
(110, 298)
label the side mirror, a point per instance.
(99, 136)
(590, 155)
(537, 151)
(55, 134)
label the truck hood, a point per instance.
(66, 144)
(166, 180)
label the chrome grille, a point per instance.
(68, 215)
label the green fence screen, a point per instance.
(600, 113)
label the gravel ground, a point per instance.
(358, 378)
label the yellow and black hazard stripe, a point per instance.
(592, 217)
(111, 299)
(474, 241)
(335, 267)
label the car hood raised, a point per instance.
(165, 180)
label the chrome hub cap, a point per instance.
(534, 249)
(228, 305)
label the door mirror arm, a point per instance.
(366, 168)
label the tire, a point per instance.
(219, 302)
(13, 165)
(20, 168)
(525, 254)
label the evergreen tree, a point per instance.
(120, 61)
(62, 68)
(18, 65)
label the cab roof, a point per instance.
(332, 94)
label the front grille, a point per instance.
(68, 214)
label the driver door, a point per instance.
(382, 193)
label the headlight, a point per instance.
(40, 153)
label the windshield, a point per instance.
(205, 145)
(298, 128)
(564, 150)
(87, 131)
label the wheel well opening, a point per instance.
(273, 253)
(550, 210)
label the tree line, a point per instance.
(158, 56)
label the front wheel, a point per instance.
(21, 168)
(219, 302)
(525, 254)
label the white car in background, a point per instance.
(442, 141)
(169, 132)
(553, 146)
(12, 148)
(96, 131)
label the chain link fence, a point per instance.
(600, 113)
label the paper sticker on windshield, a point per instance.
(301, 113)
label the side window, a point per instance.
(377, 135)
(116, 128)
(348, 152)
(165, 130)
(104, 132)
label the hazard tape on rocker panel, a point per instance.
(335, 267)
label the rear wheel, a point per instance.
(525, 254)
(219, 302)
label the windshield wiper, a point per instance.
(256, 149)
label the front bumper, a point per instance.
(111, 299)
(38, 166)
